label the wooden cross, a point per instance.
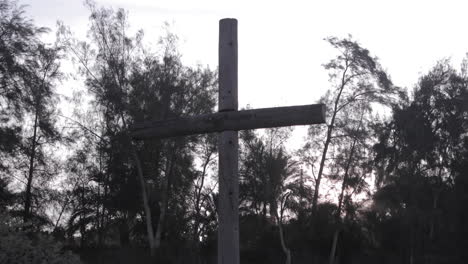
(228, 121)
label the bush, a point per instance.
(21, 247)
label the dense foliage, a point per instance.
(361, 189)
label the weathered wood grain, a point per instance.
(232, 120)
(228, 146)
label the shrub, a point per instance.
(21, 247)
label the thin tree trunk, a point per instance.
(327, 143)
(162, 212)
(165, 200)
(60, 215)
(340, 202)
(279, 219)
(104, 217)
(82, 226)
(301, 215)
(146, 207)
(198, 198)
(334, 244)
(141, 178)
(435, 195)
(166, 95)
(28, 197)
(27, 200)
(286, 250)
(98, 205)
(412, 215)
(67, 200)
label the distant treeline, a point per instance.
(75, 187)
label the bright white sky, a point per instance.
(281, 47)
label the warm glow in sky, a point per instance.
(281, 47)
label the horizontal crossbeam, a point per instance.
(231, 121)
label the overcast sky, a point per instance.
(281, 47)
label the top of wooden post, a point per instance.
(227, 65)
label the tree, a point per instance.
(19, 39)
(41, 99)
(357, 77)
(351, 164)
(28, 72)
(417, 157)
(202, 213)
(266, 169)
(129, 85)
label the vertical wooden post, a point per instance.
(228, 210)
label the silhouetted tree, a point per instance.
(130, 84)
(356, 77)
(266, 169)
(418, 154)
(19, 40)
(41, 101)
(29, 71)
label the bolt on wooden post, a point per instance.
(228, 212)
